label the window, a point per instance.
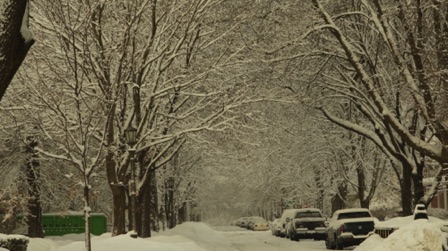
(352, 215)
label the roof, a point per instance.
(309, 210)
(69, 212)
(350, 210)
(288, 213)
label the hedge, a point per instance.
(14, 242)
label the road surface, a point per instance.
(246, 240)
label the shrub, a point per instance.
(14, 242)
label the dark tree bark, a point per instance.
(419, 188)
(35, 229)
(13, 46)
(86, 193)
(338, 201)
(115, 180)
(144, 213)
(148, 203)
(406, 190)
(119, 205)
(154, 203)
(320, 189)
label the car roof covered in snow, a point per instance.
(309, 210)
(351, 210)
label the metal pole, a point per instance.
(171, 208)
(133, 194)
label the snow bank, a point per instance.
(40, 244)
(125, 242)
(417, 235)
(203, 235)
(190, 236)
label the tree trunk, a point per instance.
(154, 202)
(320, 189)
(13, 46)
(406, 190)
(338, 201)
(115, 181)
(144, 212)
(417, 179)
(119, 210)
(35, 228)
(87, 240)
(363, 202)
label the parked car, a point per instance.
(308, 223)
(349, 227)
(257, 223)
(420, 212)
(275, 227)
(286, 217)
(241, 222)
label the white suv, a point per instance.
(285, 219)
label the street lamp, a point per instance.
(131, 139)
(130, 134)
(170, 186)
(170, 183)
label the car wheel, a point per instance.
(328, 244)
(339, 246)
(291, 237)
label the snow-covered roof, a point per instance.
(352, 210)
(69, 212)
(309, 210)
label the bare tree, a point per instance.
(368, 72)
(157, 66)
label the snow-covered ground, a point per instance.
(412, 236)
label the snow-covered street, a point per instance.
(185, 237)
(198, 236)
(246, 240)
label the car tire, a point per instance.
(328, 244)
(339, 246)
(292, 236)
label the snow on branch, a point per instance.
(24, 30)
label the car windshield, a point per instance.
(308, 215)
(352, 215)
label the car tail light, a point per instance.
(341, 229)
